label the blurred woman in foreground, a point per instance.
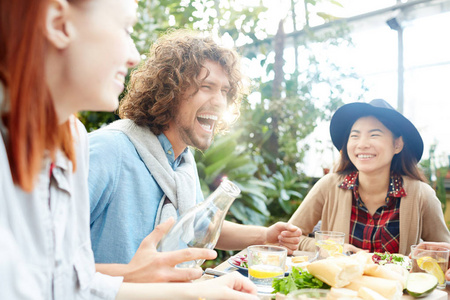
(58, 57)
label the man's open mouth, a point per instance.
(207, 121)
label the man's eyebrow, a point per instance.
(214, 83)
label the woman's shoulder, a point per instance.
(331, 178)
(415, 186)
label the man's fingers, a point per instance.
(185, 274)
(156, 235)
(289, 240)
(189, 254)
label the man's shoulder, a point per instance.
(106, 138)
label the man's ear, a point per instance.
(57, 24)
(398, 145)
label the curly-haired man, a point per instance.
(142, 171)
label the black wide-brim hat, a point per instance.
(344, 118)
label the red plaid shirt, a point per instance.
(380, 232)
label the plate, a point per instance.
(242, 270)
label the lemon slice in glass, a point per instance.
(332, 247)
(431, 266)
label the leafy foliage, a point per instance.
(297, 279)
(268, 193)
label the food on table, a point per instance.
(388, 258)
(240, 260)
(330, 246)
(369, 294)
(299, 259)
(421, 284)
(358, 277)
(383, 271)
(431, 266)
(391, 289)
(297, 279)
(336, 271)
(265, 271)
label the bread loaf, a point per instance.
(336, 271)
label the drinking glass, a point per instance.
(432, 261)
(329, 243)
(264, 264)
(308, 294)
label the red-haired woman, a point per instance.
(58, 57)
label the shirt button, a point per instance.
(169, 152)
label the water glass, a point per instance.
(264, 264)
(308, 294)
(433, 261)
(329, 243)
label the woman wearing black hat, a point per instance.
(377, 196)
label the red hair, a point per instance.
(30, 116)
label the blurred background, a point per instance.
(304, 59)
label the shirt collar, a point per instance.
(395, 184)
(167, 147)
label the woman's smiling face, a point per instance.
(89, 71)
(371, 146)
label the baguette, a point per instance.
(336, 271)
(390, 289)
(369, 294)
(384, 272)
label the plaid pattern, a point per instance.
(380, 232)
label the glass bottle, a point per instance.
(200, 226)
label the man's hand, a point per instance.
(148, 265)
(284, 234)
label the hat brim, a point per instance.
(347, 115)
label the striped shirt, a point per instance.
(380, 232)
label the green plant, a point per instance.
(226, 158)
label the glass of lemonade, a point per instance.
(432, 261)
(264, 264)
(329, 243)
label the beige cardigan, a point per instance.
(421, 214)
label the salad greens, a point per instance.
(297, 279)
(388, 258)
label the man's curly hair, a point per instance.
(175, 60)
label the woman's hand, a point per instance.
(232, 286)
(350, 249)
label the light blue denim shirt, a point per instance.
(124, 195)
(45, 249)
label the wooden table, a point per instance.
(226, 267)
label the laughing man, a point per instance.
(142, 171)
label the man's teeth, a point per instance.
(206, 126)
(365, 156)
(210, 117)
